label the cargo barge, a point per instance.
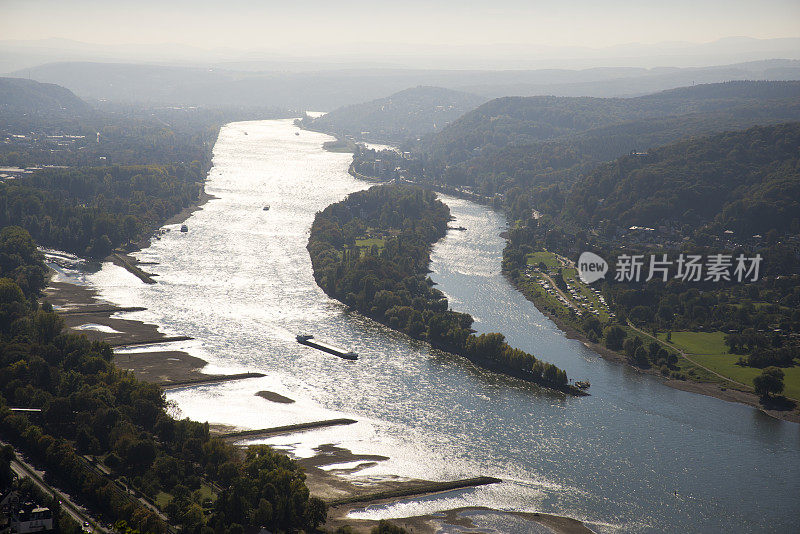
(309, 341)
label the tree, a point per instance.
(316, 512)
(6, 475)
(631, 345)
(640, 356)
(614, 337)
(769, 382)
(47, 325)
(385, 527)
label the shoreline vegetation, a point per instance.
(340, 145)
(684, 374)
(372, 250)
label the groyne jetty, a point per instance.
(415, 488)
(210, 379)
(153, 341)
(131, 268)
(286, 429)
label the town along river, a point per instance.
(634, 456)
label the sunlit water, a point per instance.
(240, 282)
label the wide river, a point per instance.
(240, 282)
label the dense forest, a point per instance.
(91, 210)
(747, 182)
(372, 251)
(396, 118)
(525, 120)
(89, 407)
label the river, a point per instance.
(240, 282)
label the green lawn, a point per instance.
(368, 242)
(709, 349)
(725, 364)
(205, 492)
(548, 258)
(699, 342)
(162, 499)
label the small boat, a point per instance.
(266, 208)
(459, 228)
(184, 228)
(582, 384)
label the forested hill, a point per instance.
(396, 118)
(747, 182)
(492, 149)
(20, 96)
(525, 120)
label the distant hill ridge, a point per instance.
(395, 118)
(18, 96)
(329, 89)
(524, 120)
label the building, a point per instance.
(32, 519)
(23, 517)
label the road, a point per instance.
(569, 299)
(77, 512)
(103, 472)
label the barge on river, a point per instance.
(309, 341)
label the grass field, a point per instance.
(367, 243)
(205, 492)
(709, 349)
(548, 258)
(162, 499)
(699, 342)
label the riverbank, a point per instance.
(336, 484)
(124, 255)
(161, 366)
(86, 313)
(730, 392)
(439, 188)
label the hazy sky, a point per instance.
(317, 26)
